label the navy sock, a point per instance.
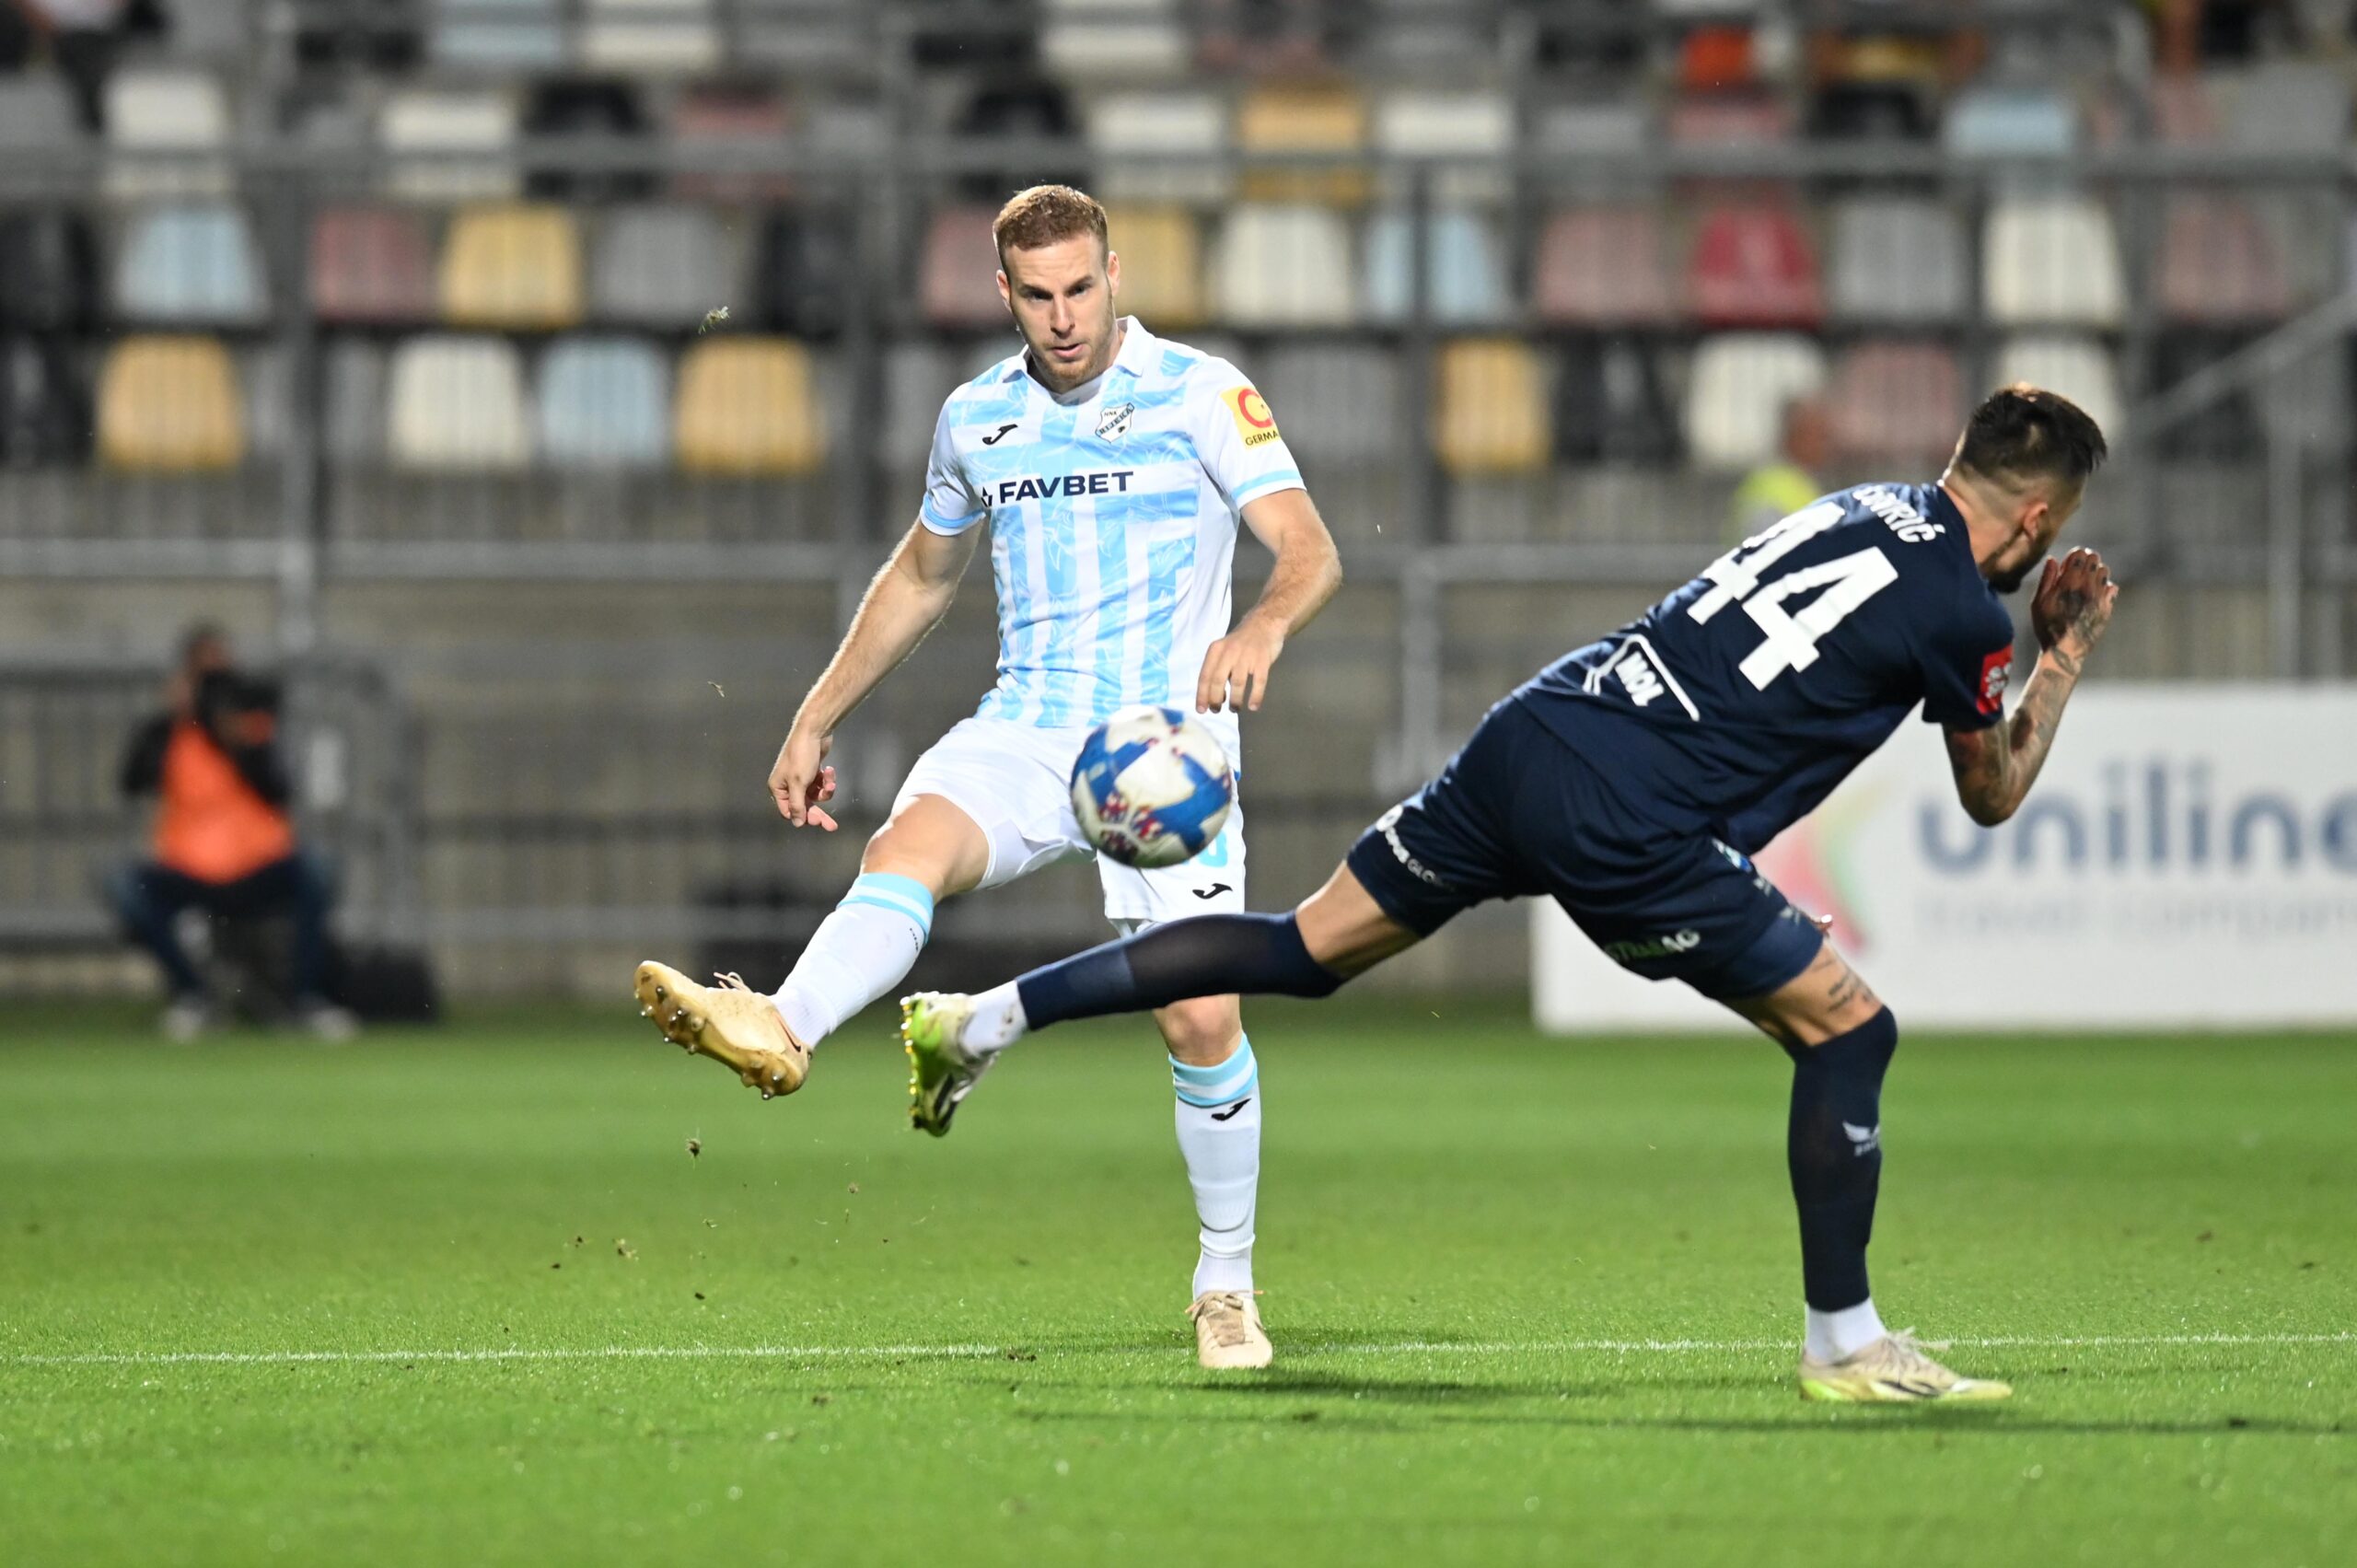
(1211, 955)
(1833, 1145)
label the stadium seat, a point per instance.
(748, 406)
(2291, 108)
(1162, 265)
(1473, 130)
(456, 404)
(806, 278)
(269, 382)
(918, 374)
(1097, 40)
(1464, 275)
(1610, 406)
(724, 120)
(1737, 391)
(1753, 266)
(1160, 127)
(1898, 259)
(2079, 369)
(169, 404)
(190, 266)
(1576, 127)
(500, 35)
(1604, 266)
(449, 147)
(159, 122)
(650, 38)
(2218, 265)
(604, 402)
(1730, 118)
(38, 113)
(660, 266)
(2052, 261)
(1278, 266)
(809, 38)
(2009, 122)
(958, 284)
(1326, 122)
(371, 266)
(1896, 401)
(512, 267)
(1336, 403)
(48, 268)
(1490, 413)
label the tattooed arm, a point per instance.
(1995, 767)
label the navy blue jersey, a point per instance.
(1736, 704)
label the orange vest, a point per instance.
(212, 825)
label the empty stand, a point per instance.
(169, 404)
(1753, 265)
(1160, 146)
(1465, 278)
(500, 35)
(514, 267)
(663, 38)
(451, 146)
(660, 266)
(160, 123)
(2052, 260)
(48, 265)
(372, 266)
(1896, 401)
(1324, 122)
(1473, 131)
(1604, 266)
(1162, 265)
(958, 281)
(1737, 391)
(604, 402)
(1114, 40)
(456, 404)
(1490, 411)
(1284, 266)
(194, 265)
(1898, 259)
(1611, 406)
(2007, 121)
(2218, 265)
(747, 407)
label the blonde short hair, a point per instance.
(1044, 215)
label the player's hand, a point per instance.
(800, 781)
(2072, 604)
(1235, 669)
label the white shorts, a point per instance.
(1015, 780)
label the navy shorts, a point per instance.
(1519, 812)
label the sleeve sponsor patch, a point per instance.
(1996, 674)
(1254, 423)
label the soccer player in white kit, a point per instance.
(1111, 467)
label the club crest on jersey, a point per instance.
(1114, 422)
(1996, 674)
(1254, 423)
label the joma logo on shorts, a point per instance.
(1388, 826)
(1666, 946)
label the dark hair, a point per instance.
(2025, 433)
(1045, 215)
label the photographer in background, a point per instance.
(223, 840)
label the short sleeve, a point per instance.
(950, 504)
(1235, 432)
(1967, 666)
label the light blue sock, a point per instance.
(860, 952)
(1218, 1116)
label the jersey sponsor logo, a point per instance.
(1069, 486)
(1666, 946)
(1388, 826)
(1254, 423)
(1114, 422)
(1996, 674)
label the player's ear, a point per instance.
(1005, 291)
(2035, 511)
(1113, 272)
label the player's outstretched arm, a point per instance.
(1309, 570)
(1995, 767)
(907, 600)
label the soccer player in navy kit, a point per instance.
(1632, 780)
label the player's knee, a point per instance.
(929, 843)
(1203, 1032)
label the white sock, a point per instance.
(998, 1021)
(1833, 1336)
(860, 952)
(1219, 1135)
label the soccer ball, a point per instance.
(1152, 787)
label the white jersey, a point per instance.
(1112, 510)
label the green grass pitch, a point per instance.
(466, 1296)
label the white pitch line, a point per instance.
(982, 1352)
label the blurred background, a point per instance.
(382, 334)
